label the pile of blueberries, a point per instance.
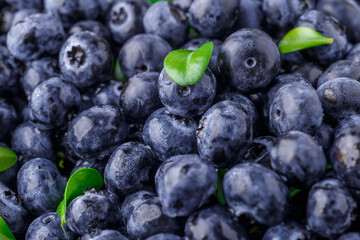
(284, 128)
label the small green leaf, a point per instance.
(154, 1)
(5, 233)
(192, 33)
(187, 67)
(84, 178)
(329, 166)
(294, 191)
(118, 75)
(300, 38)
(218, 185)
(7, 158)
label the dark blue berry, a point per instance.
(350, 236)
(9, 69)
(287, 231)
(164, 236)
(108, 93)
(104, 235)
(92, 26)
(354, 54)
(8, 120)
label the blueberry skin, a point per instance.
(350, 236)
(164, 167)
(30, 142)
(40, 185)
(19, 4)
(36, 35)
(183, 4)
(104, 235)
(95, 132)
(186, 185)
(344, 156)
(187, 101)
(249, 60)
(324, 136)
(213, 18)
(92, 26)
(169, 135)
(125, 19)
(164, 236)
(51, 102)
(214, 223)
(295, 106)
(14, 214)
(327, 26)
(10, 72)
(281, 15)
(347, 124)
(38, 71)
(129, 169)
(287, 231)
(340, 97)
(8, 120)
(252, 189)
(84, 59)
(310, 71)
(140, 96)
(354, 54)
(143, 53)
(167, 21)
(48, 226)
(131, 202)
(108, 93)
(348, 13)
(8, 177)
(92, 210)
(98, 165)
(224, 133)
(342, 68)
(298, 158)
(259, 151)
(148, 219)
(250, 14)
(330, 208)
(71, 11)
(21, 14)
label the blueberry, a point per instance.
(51, 102)
(84, 59)
(328, 26)
(350, 236)
(281, 15)
(249, 60)
(40, 185)
(183, 4)
(108, 93)
(348, 13)
(166, 21)
(30, 142)
(131, 202)
(10, 72)
(214, 223)
(12, 211)
(140, 96)
(354, 54)
(287, 231)
(330, 208)
(342, 68)
(169, 135)
(185, 185)
(92, 26)
(224, 132)
(148, 219)
(71, 11)
(298, 158)
(48, 226)
(129, 169)
(94, 210)
(339, 97)
(125, 19)
(143, 53)
(347, 124)
(344, 156)
(36, 35)
(213, 18)
(259, 151)
(250, 14)
(8, 177)
(21, 14)
(8, 119)
(310, 71)
(252, 189)
(164, 236)
(104, 235)
(187, 101)
(19, 4)
(38, 71)
(295, 106)
(324, 136)
(96, 132)
(98, 165)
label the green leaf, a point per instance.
(329, 166)
(300, 38)
(118, 75)
(84, 178)
(187, 67)
(294, 191)
(218, 185)
(7, 158)
(5, 233)
(154, 1)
